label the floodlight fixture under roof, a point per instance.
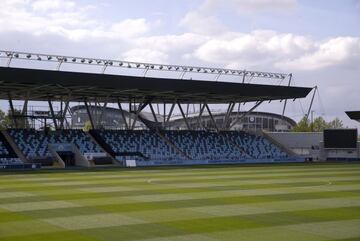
(140, 65)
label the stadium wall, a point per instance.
(306, 144)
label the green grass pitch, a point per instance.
(250, 203)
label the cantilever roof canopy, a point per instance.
(354, 115)
(35, 84)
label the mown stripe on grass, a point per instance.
(119, 191)
(194, 175)
(229, 229)
(170, 180)
(133, 207)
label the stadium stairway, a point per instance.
(4, 135)
(103, 147)
(179, 150)
(159, 130)
(256, 145)
(236, 145)
(278, 144)
(101, 142)
(58, 160)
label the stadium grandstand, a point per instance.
(139, 136)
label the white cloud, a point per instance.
(172, 43)
(250, 6)
(132, 27)
(145, 55)
(336, 51)
(66, 19)
(47, 5)
(198, 22)
(20, 16)
(252, 49)
(283, 51)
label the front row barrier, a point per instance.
(23, 166)
(219, 162)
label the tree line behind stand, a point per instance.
(317, 125)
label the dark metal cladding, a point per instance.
(354, 115)
(45, 84)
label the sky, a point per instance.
(317, 41)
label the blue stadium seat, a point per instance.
(3, 150)
(34, 144)
(256, 146)
(146, 143)
(149, 148)
(7, 155)
(202, 145)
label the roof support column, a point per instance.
(202, 107)
(25, 110)
(227, 116)
(183, 115)
(130, 112)
(52, 114)
(211, 117)
(102, 110)
(12, 111)
(245, 114)
(95, 112)
(311, 103)
(283, 112)
(123, 115)
(238, 112)
(158, 109)
(153, 113)
(63, 114)
(89, 114)
(164, 116)
(71, 114)
(137, 112)
(170, 113)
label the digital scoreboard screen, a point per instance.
(340, 138)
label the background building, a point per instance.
(253, 121)
(111, 118)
